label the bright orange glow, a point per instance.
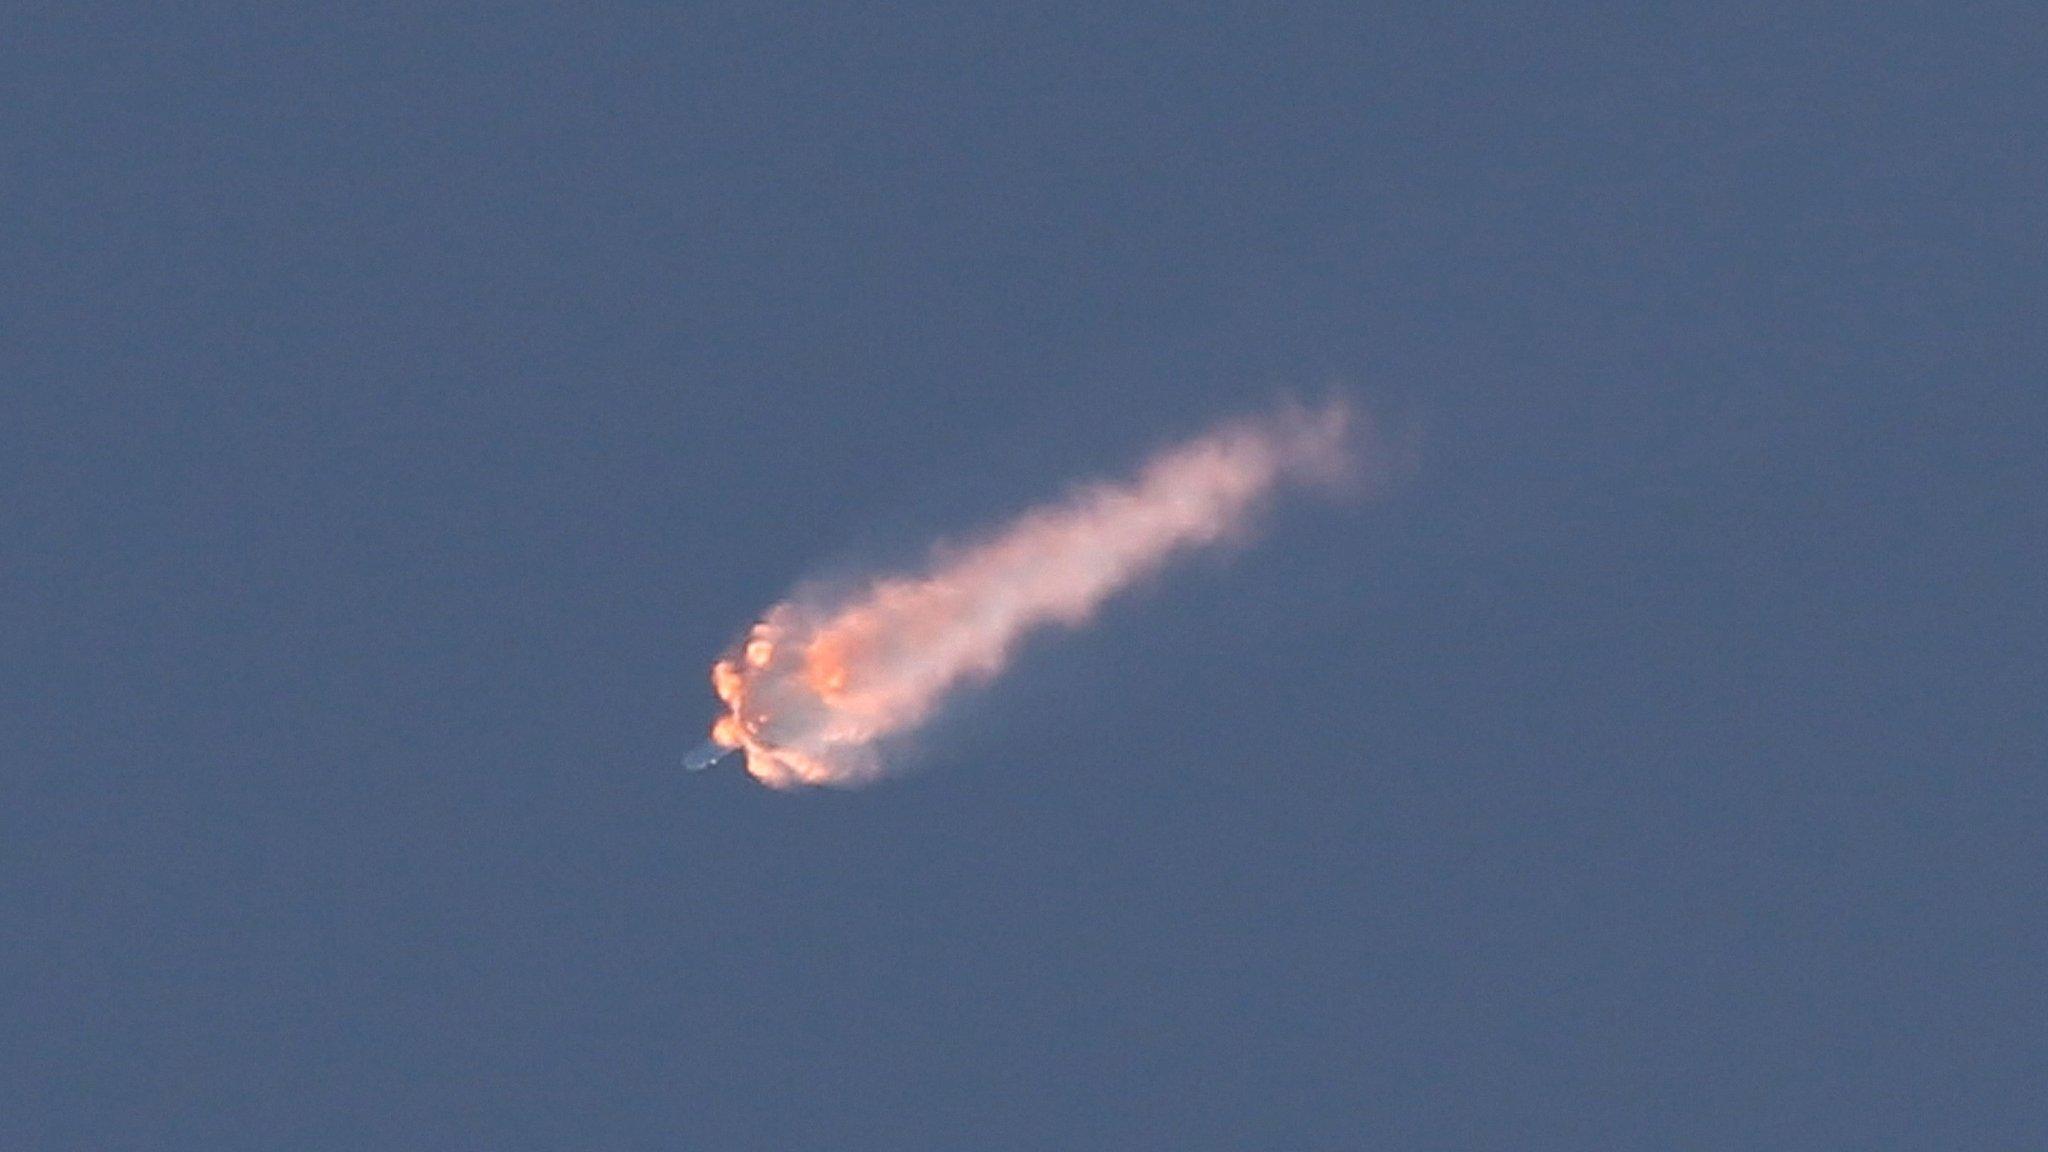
(814, 687)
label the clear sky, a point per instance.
(401, 404)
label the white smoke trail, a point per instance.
(812, 689)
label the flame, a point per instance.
(812, 688)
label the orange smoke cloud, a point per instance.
(812, 690)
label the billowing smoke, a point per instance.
(814, 688)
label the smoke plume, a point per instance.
(814, 688)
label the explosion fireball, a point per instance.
(813, 689)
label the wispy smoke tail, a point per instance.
(813, 688)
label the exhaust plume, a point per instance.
(814, 688)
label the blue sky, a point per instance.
(405, 402)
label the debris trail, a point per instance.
(814, 687)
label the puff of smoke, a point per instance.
(814, 687)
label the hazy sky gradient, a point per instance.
(403, 403)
